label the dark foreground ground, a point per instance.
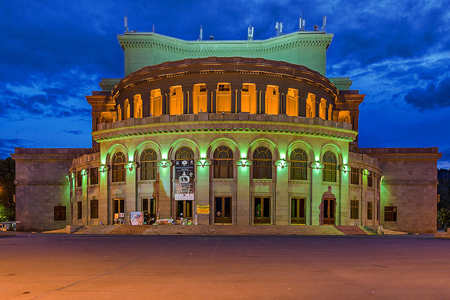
(58, 266)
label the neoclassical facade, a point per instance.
(223, 133)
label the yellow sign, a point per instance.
(202, 209)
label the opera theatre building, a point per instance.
(213, 132)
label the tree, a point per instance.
(443, 217)
(7, 187)
(444, 188)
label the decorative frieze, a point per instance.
(41, 182)
(410, 182)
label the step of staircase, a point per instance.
(350, 230)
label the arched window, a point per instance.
(223, 162)
(262, 163)
(299, 168)
(330, 167)
(148, 165)
(184, 153)
(118, 167)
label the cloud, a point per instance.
(75, 132)
(7, 146)
(430, 97)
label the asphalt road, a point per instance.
(57, 266)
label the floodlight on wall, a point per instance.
(84, 172)
(68, 178)
(103, 168)
(165, 163)
(317, 165)
(281, 163)
(131, 166)
(203, 162)
(345, 168)
(243, 162)
(365, 172)
(72, 175)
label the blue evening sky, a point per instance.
(54, 52)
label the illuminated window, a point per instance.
(330, 112)
(248, 98)
(94, 209)
(390, 213)
(148, 165)
(262, 163)
(59, 213)
(369, 211)
(299, 167)
(176, 100)
(329, 170)
(118, 167)
(223, 99)
(93, 176)
(156, 102)
(200, 98)
(223, 162)
(354, 175)
(292, 102)
(272, 100)
(126, 110)
(119, 113)
(354, 209)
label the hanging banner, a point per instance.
(184, 180)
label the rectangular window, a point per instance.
(370, 179)
(369, 211)
(390, 213)
(94, 209)
(80, 210)
(60, 213)
(354, 176)
(93, 176)
(79, 179)
(354, 209)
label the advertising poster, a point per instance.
(184, 180)
(202, 209)
(136, 218)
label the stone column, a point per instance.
(243, 196)
(211, 89)
(130, 192)
(187, 99)
(165, 97)
(302, 96)
(354, 116)
(146, 105)
(202, 191)
(282, 195)
(235, 91)
(283, 97)
(164, 186)
(261, 98)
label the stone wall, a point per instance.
(410, 184)
(41, 184)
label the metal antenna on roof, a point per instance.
(301, 24)
(200, 38)
(126, 23)
(250, 33)
(324, 22)
(279, 28)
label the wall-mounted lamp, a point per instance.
(68, 177)
(165, 163)
(72, 175)
(365, 172)
(203, 162)
(103, 168)
(345, 168)
(281, 163)
(243, 162)
(317, 165)
(131, 166)
(83, 172)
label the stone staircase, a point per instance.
(351, 230)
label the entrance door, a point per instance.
(184, 209)
(262, 210)
(222, 210)
(149, 209)
(298, 211)
(329, 206)
(118, 211)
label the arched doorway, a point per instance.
(328, 208)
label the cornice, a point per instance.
(41, 182)
(410, 182)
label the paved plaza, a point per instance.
(59, 266)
